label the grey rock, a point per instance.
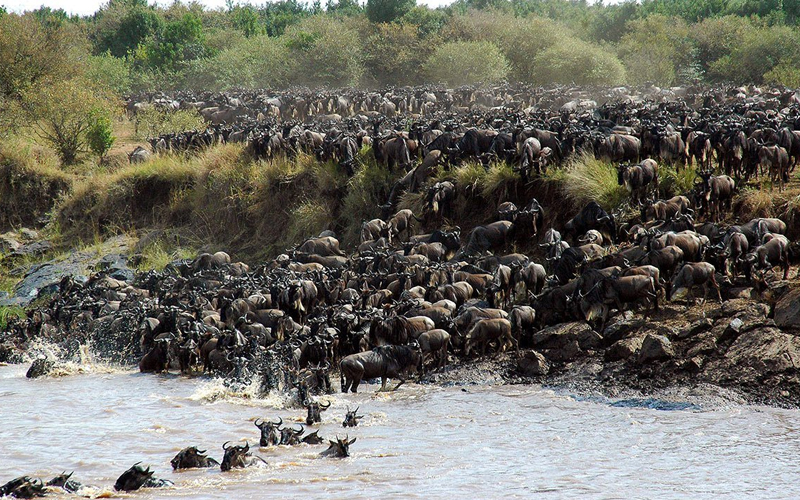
(655, 348)
(533, 364)
(623, 349)
(787, 310)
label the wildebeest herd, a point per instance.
(403, 301)
(235, 457)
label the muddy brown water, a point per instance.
(483, 442)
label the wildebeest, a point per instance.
(489, 237)
(776, 159)
(339, 448)
(774, 252)
(617, 292)
(270, 435)
(290, 436)
(487, 330)
(192, 458)
(351, 417)
(238, 456)
(138, 477)
(718, 192)
(592, 216)
(385, 362)
(434, 342)
(637, 179)
(23, 487)
(157, 360)
(312, 438)
(694, 274)
(315, 410)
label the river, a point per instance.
(419, 442)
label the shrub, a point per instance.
(153, 122)
(760, 51)
(109, 72)
(255, 62)
(63, 113)
(575, 61)
(324, 51)
(465, 63)
(387, 11)
(587, 179)
(655, 49)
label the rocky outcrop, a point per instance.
(787, 311)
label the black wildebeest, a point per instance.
(339, 448)
(238, 456)
(138, 477)
(592, 216)
(315, 410)
(270, 435)
(351, 417)
(488, 330)
(385, 362)
(694, 274)
(192, 458)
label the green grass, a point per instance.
(673, 182)
(7, 313)
(587, 179)
(160, 253)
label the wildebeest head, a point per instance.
(314, 411)
(351, 418)
(133, 478)
(339, 448)
(269, 432)
(313, 438)
(291, 437)
(235, 456)
(192, 458)
(23, 487)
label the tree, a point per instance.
(387, 11)
(656, 49)
(245, 19)
(325, 51)
(62, 113)
(576, 61)
(395, 53)
(465, 63)
(181, 40)
(30, 53)
(123, 26)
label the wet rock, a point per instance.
(568, 352)
(706, 344)
(29, 234)
(622, 327)
(787, 311)
(33, 249)
(756, 355)
(8, 244)
(693, 364)
(39, 368)
(533, 364)
(655, 348)
(559, 336)
(699, 326)
(738, 293)
(9, 353)
(623, 349)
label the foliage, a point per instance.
(122, 26)
(575, 61)
(153, 122)
(396, 53)
(63, 112)
(109, 72)
(8, 313)
(759, 52)
(588, 179)
(655, 49)
(99, 135)
(256, 62)
(464, 63)
(387, 11)
(31, 53)
(324, 51)
(180, 40)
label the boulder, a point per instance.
(568, 352)
(655, 348)
(623, 349)
(756, 355)
(533, 364)
(559, 336)
(787, 310)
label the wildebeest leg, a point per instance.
(402, 381)
(383, 384)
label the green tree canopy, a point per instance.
(387, 11)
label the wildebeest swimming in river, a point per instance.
(138, 477)
(192, 458)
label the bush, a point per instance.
(387, 11)
(153, 122)
(99, 136)
(63, 113)
(587, 179)
(109, 72)
(324, 51)
(655, 49)
(760, 51)
(395, 53)
(465, 63)
(255, 62)
(578, 62)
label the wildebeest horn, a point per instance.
(280, 423)
(326, 406)
(257, 424)
(296, 432)
(246, 446)
(224, 447)
(199, 452)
